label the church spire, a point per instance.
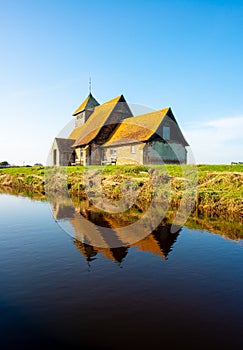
(89, 103)
(90, 85)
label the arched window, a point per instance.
(55, 157)
(166, 132)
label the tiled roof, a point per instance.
(76, 132)
(137, 129)
(89, 102)
(96, 121)
(64, 145)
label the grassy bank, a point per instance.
(219, 187)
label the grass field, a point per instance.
(173, 170)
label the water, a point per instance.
(166, 291)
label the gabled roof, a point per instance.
(96, 121)
(76, 132)
(89, 102)
(64, 145)
(137, 129)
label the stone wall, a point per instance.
(95, 156)
(156, 152)
(128, 154)
(82, 117)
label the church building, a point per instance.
(109, 133)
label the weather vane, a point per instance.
(90, 85)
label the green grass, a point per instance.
(220, 167)
(36, 170)
(133, 170)
(173, 170)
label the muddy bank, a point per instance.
(216, 193)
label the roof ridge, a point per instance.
(164, 111)
(116, 99)
(85, 103)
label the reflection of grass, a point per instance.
(230, 229)
(24, 193)
(217, 224)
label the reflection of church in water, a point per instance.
(81, 219)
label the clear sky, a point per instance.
(184, 54)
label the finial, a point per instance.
(89, 85)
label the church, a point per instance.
(109, 133)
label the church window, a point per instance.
(133, 149)
(113, 152)
(55, 157)
(166, 132)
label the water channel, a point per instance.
(165, 290)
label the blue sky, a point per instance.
(184, 54)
